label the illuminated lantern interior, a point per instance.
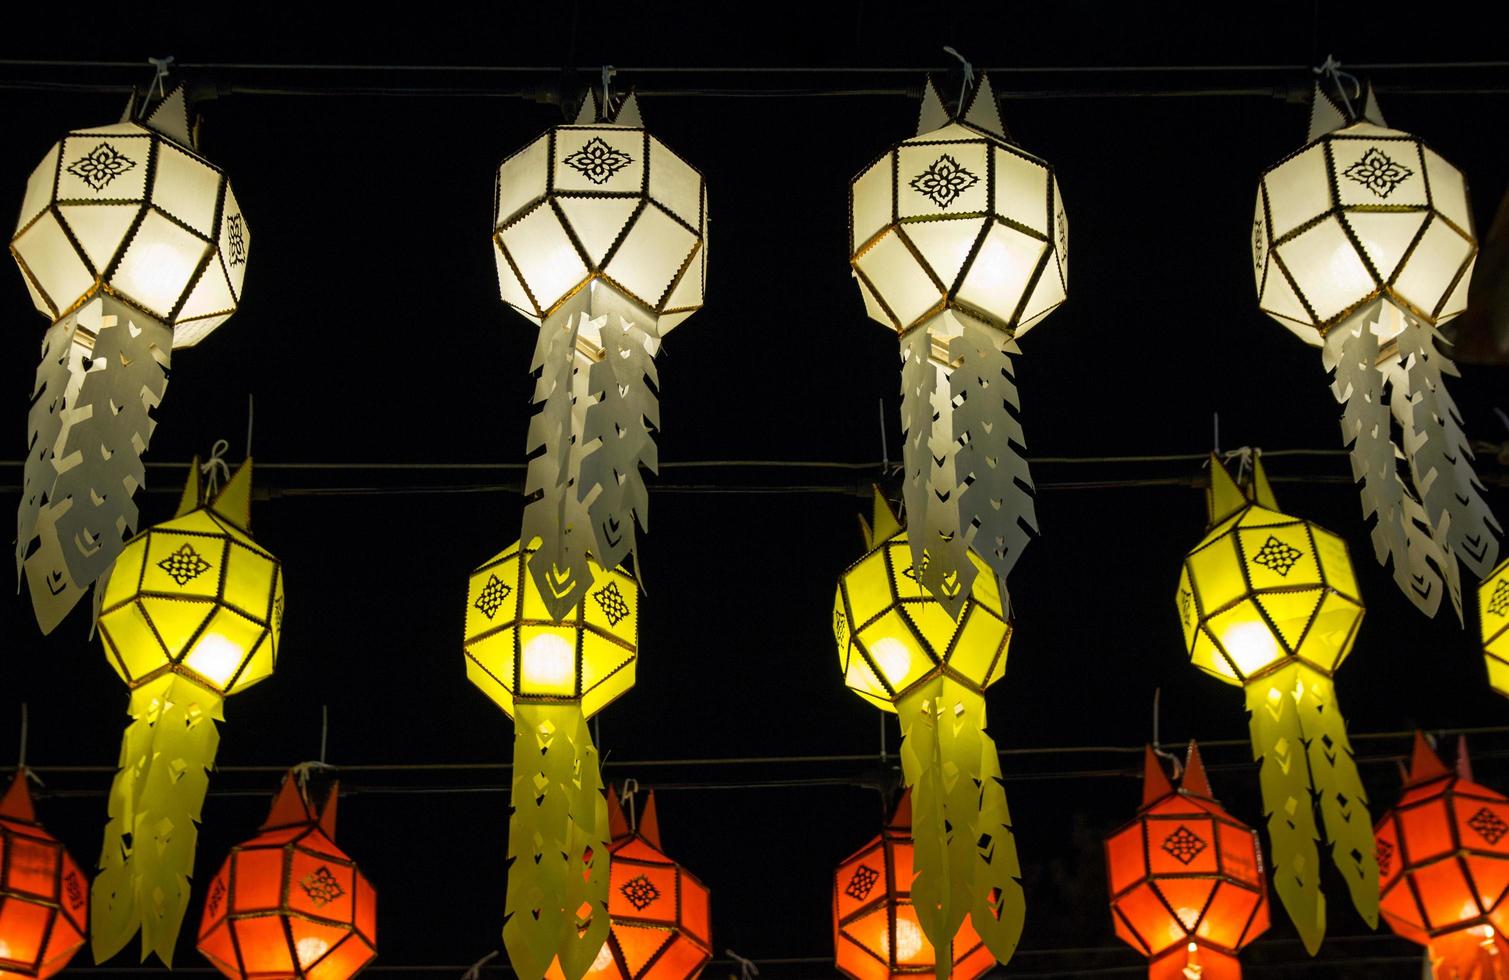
(1186, 879)
(289, 902)
(876, 932)
(1443, 864)
(1493, 620)
(44, 897)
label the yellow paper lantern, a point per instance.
(191, 611)
(959, 243)
(600, 237)
(131, 244)
(1269, 602)
(1363, 245)
(902, 650)
(1493, 619)
(550, 675)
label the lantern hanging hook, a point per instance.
(1330, 69)
(631, 786)
(215, 467)
(303, 770)
(251, 417)
(1158, 749)
(747, 968)
(969, 75)
(161, 66)
(1243, 455)
(474, 972)
(608, 72)
(21, 755)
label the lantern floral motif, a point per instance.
(1186, 878)
(191, 612)
(44, 897)
(959, 243)
(600, 239)
(661, 928)
(132, 244)
(877, 925)
(902, 650)
(1269, 602)
(289, 902)
(1363, 245)
(1443, 857)
(1493, 620)
(551, 674)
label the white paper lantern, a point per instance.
(132, 244)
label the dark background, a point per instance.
(372, 332)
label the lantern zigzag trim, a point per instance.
(191, 612)
(131, 244)
(600, 238)
(1493, 621)
(1363, 245)
(902, 651)
(959, 242)
(1269, 602)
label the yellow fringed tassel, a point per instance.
(155, 802)
(557, 903)
(1300, 738)
(965, 854)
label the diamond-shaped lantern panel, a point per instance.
(893, 635)
(133, 211)
(289, 902)
(1360, 213)
(515, 650)
(604, 202)
(196, 596)
(876, 932)
(44, 897)
(1493, 618)
(959, 218)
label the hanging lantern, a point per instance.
(902, 651)
(1186, 878)
(550, 675)
(190, 612)
(600, 239)
(289, 902)
(1363, 245)
(1443, 857)
(877, 928)
(132, 245)
(959, 243)
(661, 929)
(1269, 602)
(44, 904)
(1493, 619)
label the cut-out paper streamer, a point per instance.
(132, 244)
(1443, 858)
(44, 897)
(1493, 621)
(959, 243)
(290, 903)
(877, 925)
(1363, 245)
(190, 613)
(661, 927)
(903, 651)
(551, 674)
(1269, 602)
(600, 239)
(1186, 878)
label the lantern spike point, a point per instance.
(233, 502)
(327, 813)
(618, 824)
(170, 116)
(901, 817)
(1325, 114)
(1370, 110)
(191, 490)
(627, 113)
(586, 113)
(16, 805)
(1464, 761)
(649, 822)
(1262, 490)
(932, 115)
(1194, 780)
(288, 807)
(1155, 782)
(884, 523)
(984, 111)
(1424, 764)
(1223, 497)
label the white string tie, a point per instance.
(215, 467)
(608, 72)
(747, 968)
(1158, 749)
(161, 64)
(631, 786)
(1331, 69)
(475, 971)
(969, 75)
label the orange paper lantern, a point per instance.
(876, 933)
(289, 903)
(1443, 867)
(1186, 878)
(660, 928)
(44, 897)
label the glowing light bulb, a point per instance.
(892, 657)
(910, 942)
(1189, 917)
(549, 662)
(603, 962)
(1251, 645)
(310, 948)
(215, 658)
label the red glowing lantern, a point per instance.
(876, 933)
(1187, 883)
(660, 924)
(1443, 867)
(289, 903)
(44, 897)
